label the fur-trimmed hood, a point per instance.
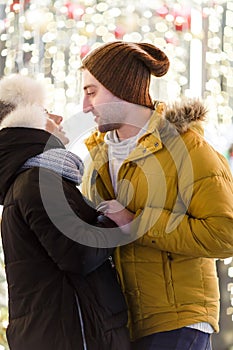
(17, 145)
(18, 91)
(21, 90)
(29, 116)
(187, 114)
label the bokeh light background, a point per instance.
(46, 40)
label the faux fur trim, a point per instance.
(186, 114)
(18, 89)
(29, 116)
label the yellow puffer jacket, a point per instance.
(181, 191)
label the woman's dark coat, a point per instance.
(48, 274)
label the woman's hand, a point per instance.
(117, 212)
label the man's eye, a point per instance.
(90, 93)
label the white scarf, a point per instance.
(118, 151)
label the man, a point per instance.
(153, 173)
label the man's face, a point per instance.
(107, 108)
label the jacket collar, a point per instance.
(148, 143)
(16, 146)
(165, 124)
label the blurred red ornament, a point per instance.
(119, 32)
(15, 5)
(182, 18)
(84, 50)
(74, 11)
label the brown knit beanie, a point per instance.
(125, 69)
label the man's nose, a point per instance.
(87, 106)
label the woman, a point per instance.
(62, 285)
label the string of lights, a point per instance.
(46, 40)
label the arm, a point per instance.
(201, 221)
(57, 214)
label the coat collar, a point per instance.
(16, 146)
(165, 123)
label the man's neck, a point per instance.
(134, 123)
(127, 131)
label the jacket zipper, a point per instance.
(81, 323)
(111, 261)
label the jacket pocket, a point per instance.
(168, 277)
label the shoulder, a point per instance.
(205, 158)
(53, 191)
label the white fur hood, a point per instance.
(26, 98)
(29, 116)
(21, 90)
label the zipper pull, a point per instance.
(111, 261)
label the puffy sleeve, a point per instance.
(200, 223)
(71, 231)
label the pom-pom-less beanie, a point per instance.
(125, 69)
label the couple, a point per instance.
(153, 175)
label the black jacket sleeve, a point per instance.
(64, 222)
